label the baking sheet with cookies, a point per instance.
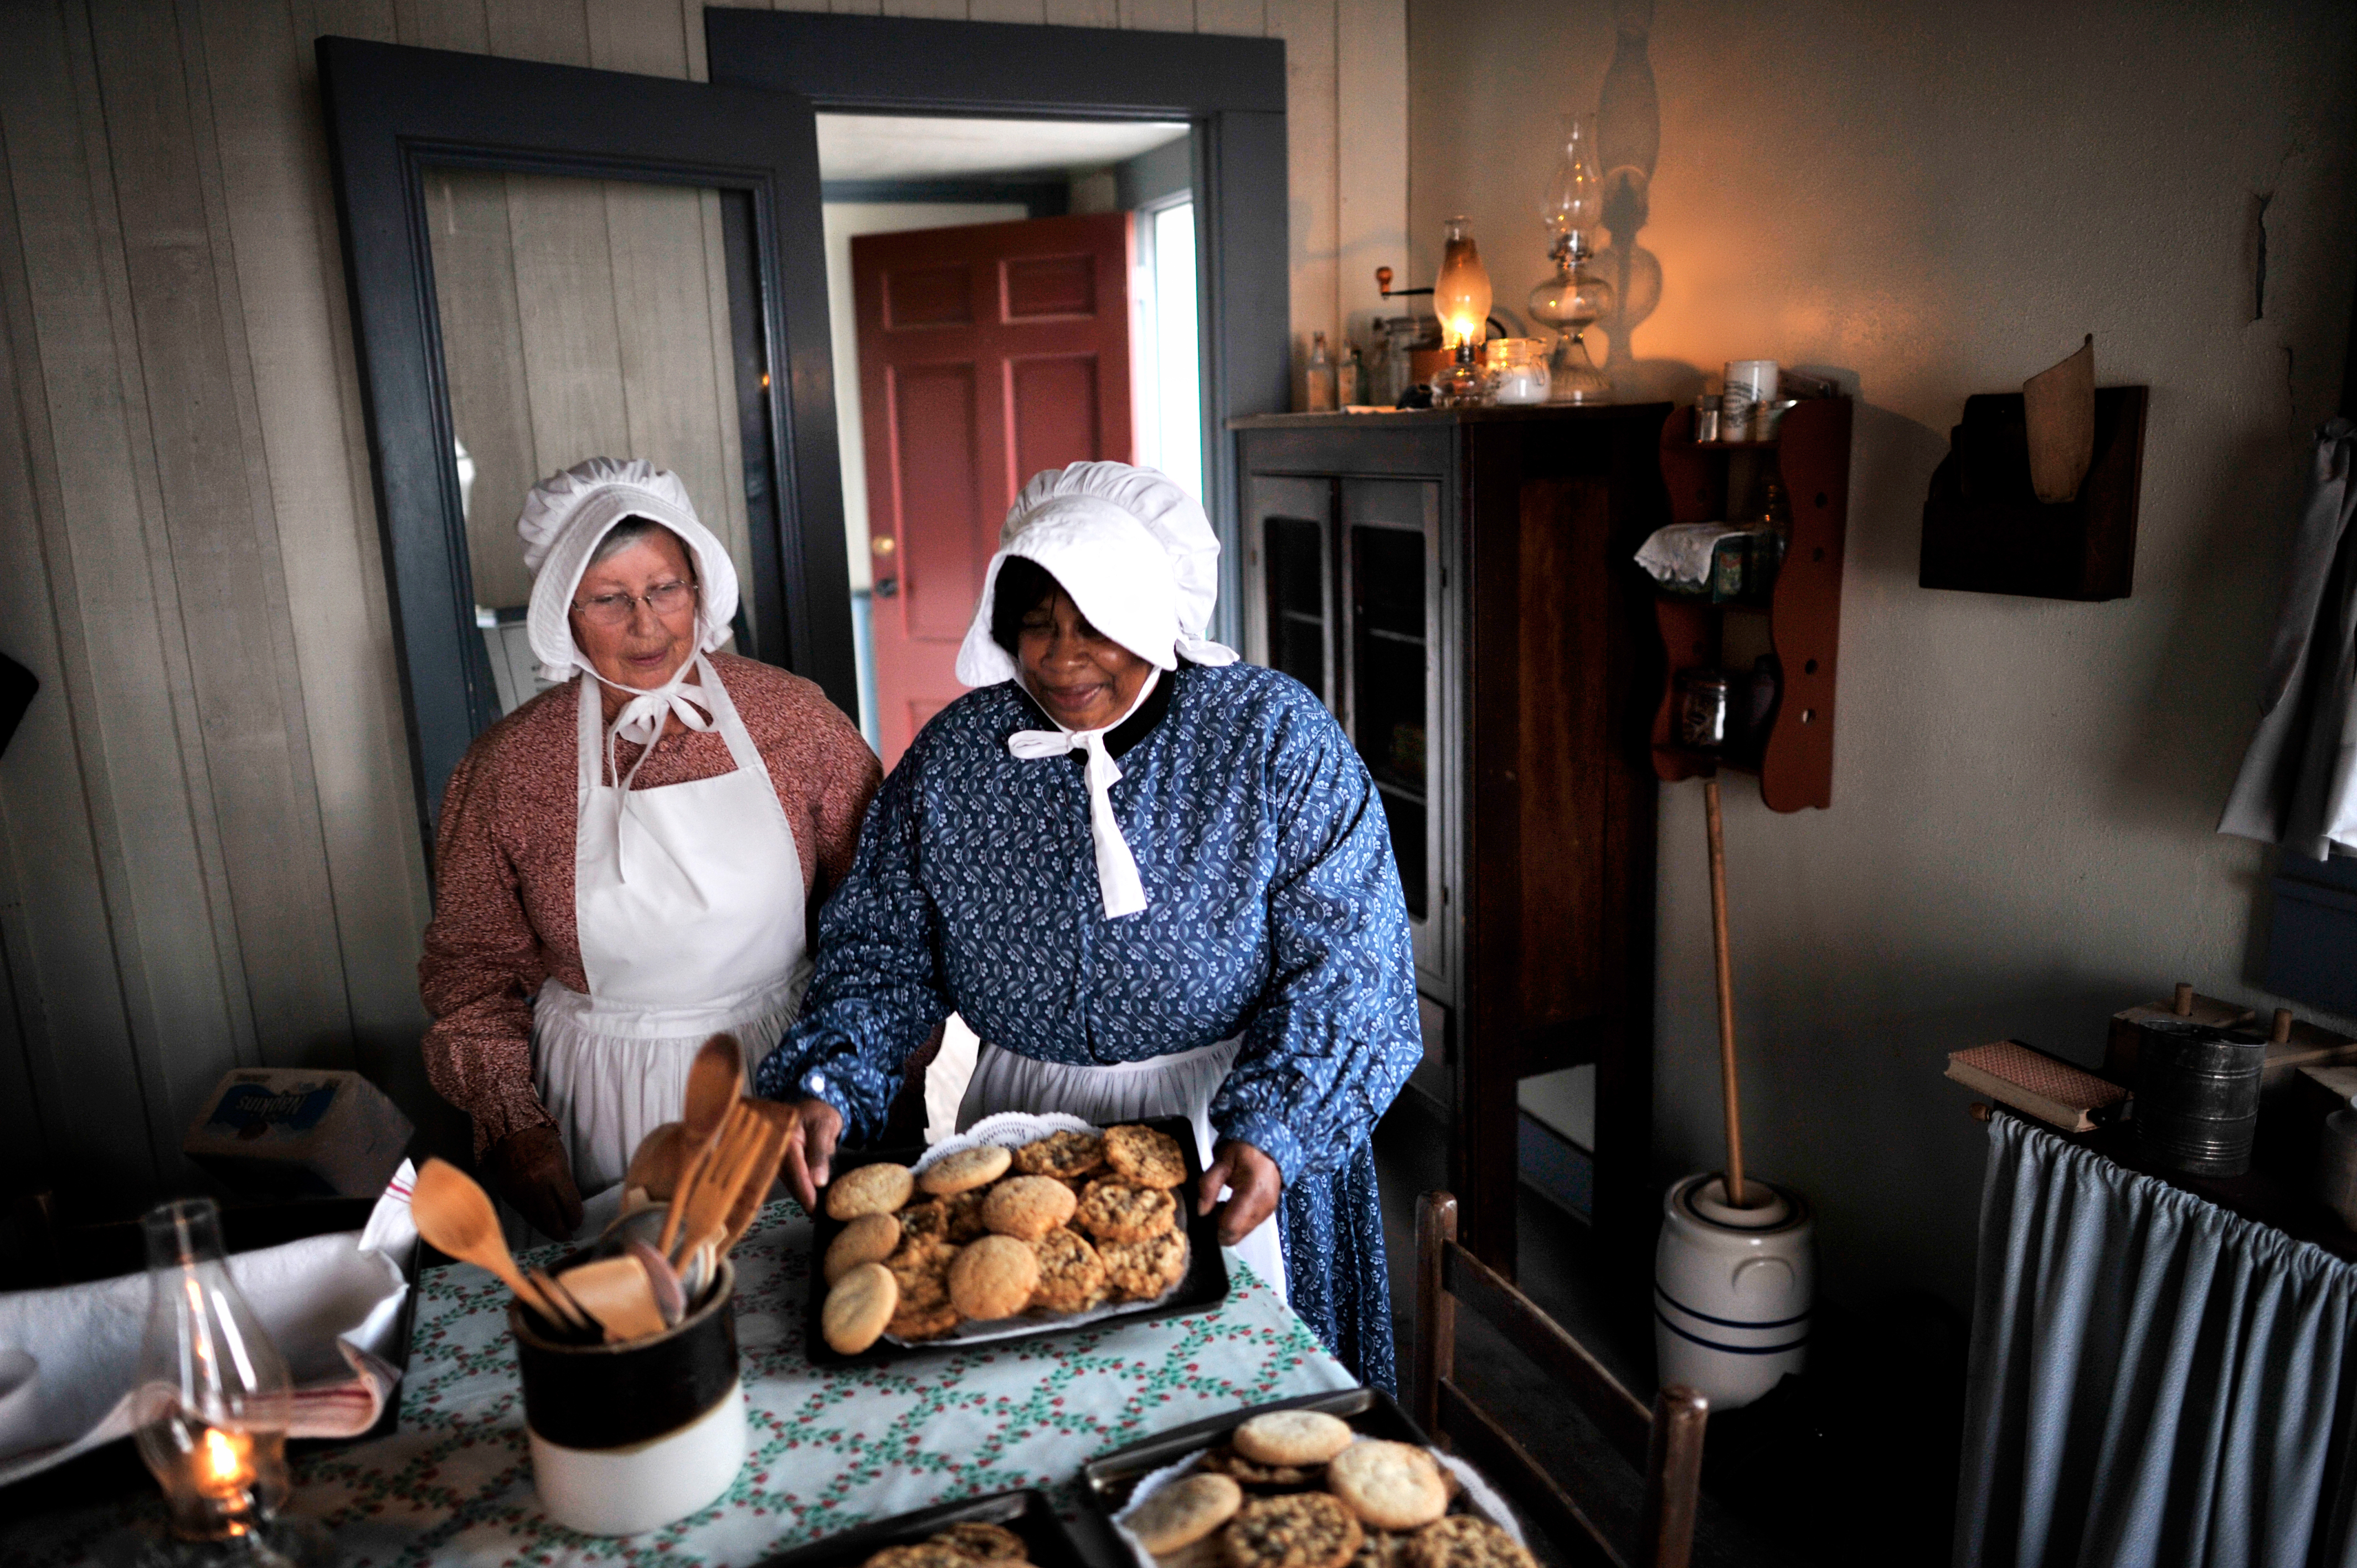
(1215, 1494)
(980, 1532)
(1002, 1203)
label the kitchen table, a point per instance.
(827, 1448)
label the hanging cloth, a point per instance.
(2299, 783)
(1117, 881)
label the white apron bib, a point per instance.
(688, 903)
(1179, 1085)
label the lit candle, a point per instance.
(225, 1464)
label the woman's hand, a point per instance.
(811, 1150)
(1254, 1187)
(530, 1170)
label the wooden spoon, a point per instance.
(615, 1292)
(715, 1079)
(455, 1215)
(661, 1160)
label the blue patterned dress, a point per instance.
(1275, 915)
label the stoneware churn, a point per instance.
(628, 1437)
(1732, 1288)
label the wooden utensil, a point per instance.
(704, 1207)
(615, 1292)
(715, 1080)
(567, 1307)
(778, 1122)
(659, 1161)
(1736, 1195)
(455, 1215)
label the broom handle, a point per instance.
(1734, 1193)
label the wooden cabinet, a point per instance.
(1458, 586)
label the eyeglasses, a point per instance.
(666, 599)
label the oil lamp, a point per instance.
(1570, 301)
(214, 1396)
(1460, 297)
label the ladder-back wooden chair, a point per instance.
(1664, 1444)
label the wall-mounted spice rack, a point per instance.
(1794, 757)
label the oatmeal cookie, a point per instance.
(1140, 1271)
(1382, 1549)
(1298, 1529)
(922, 1554)
(869, 1189)
(965, 1170)
(1254, 1476)
(1072, 1275)
(922, 1322)
(983, 1543)
(1461, 1540)
(1183, 1512)
(1293, 1437)
(922, 1269)
(1027, 1206)
(1062, 1154)
(858, 1307)
(1118, 1211)
(994, 1278)
(1392, 1485)
(870, 1238)
(1145, 1157)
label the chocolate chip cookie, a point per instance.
(1143, 1156)
(1072, 1275)
(1062, 1154)
(1461, 1540)
(1256, 1476)
(1140, 1271)
(983, 1543)
(1298, 1530)
(1121, 1211)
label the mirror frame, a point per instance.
(393, 111)
(1230, 90)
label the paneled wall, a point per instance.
(207, 855)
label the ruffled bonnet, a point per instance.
(565, 516)
(1133, 551)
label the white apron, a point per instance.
(688, 903)
(1179, 1085)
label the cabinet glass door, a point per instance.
(1391, 541)
(1289, 612)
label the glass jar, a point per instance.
(1704, 698)
(1518, 370)
(214, 1399)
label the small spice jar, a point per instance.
(1703, 697)
(1706, 417)
(1518, 370)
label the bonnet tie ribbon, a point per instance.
(1117, 880)
(641, 722)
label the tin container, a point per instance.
(2196, 1100)
(626, 1438)
(1704, 698)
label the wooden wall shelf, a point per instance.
(1985, 530)
(1795, 763)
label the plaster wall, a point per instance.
(1929, 201)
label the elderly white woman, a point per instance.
(629, 863)
(1153, 880)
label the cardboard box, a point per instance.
(298, 1132)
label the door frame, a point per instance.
(391, 112)
(1230, 90)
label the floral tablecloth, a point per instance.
(827, 1448)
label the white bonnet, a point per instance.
(1133, 551)
(565, 516)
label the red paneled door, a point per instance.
(986, 354)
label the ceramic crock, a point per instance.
(1732, 1289)
(628, 1437)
